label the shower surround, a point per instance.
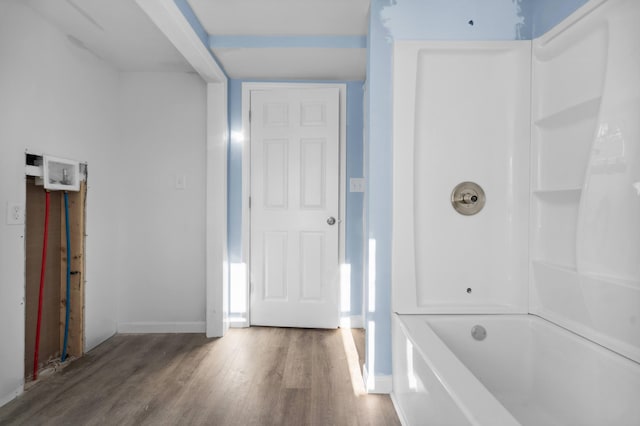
(550, 266)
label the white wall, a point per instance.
(59, 99)
(145, 241)
(161, 248)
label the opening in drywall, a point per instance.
(54, 295)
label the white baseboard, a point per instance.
(378, 383)
(5, 399)
(355, 321)
(399, 412)
(161, 327)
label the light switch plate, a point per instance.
(181, 181)
(356, 185)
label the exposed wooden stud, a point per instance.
(77, 209)
(75, 342)
(63, 271)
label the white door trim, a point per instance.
(246, 176)
(216, 269)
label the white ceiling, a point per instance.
(121, 33)
(293, 63)
(117, 31)
(289, 18)
(282, 17)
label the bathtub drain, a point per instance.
(478, 332)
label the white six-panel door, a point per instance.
(294, 195)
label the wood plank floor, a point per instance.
(253, 376)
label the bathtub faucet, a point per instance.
(467, 198)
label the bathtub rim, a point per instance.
(473, 399)
(544, 321)
(417, 329)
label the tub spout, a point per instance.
(469, 198)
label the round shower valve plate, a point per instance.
(468, 198)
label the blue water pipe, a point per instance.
(66, 318)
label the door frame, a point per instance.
(247, 88)
(217, 260)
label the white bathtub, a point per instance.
(526, 371)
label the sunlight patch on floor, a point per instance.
(352, 360)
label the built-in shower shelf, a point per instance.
(577, 112)
(554, 235)
(562, 145)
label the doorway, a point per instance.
(296, 234)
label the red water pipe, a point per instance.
(42, 270)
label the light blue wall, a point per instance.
(449, 19)
(234, 174)
(253, 42)
(355, 164)
(378, 152)
(353, 220)
(545, 14)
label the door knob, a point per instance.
(331, 220)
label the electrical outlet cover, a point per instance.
(15, 214)
(356, 185)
